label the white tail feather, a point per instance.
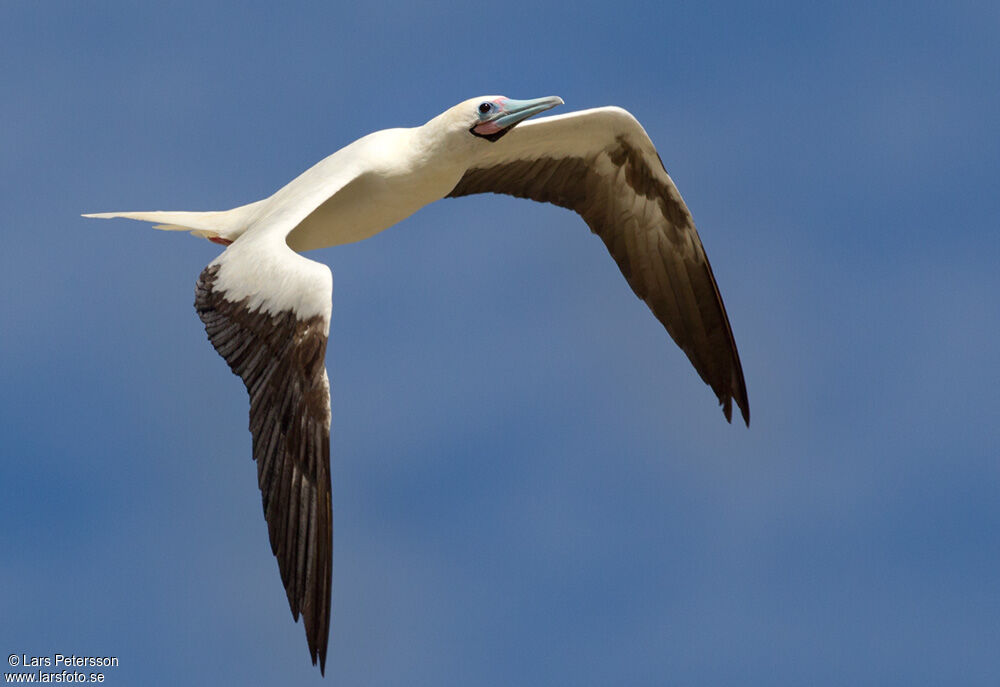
(227, 224)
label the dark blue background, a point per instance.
(531, 485)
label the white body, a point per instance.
(399, 176)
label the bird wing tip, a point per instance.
(742, 404)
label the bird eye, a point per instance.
(485, 107)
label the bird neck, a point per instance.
(437, 150)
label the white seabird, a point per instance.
(267, 309)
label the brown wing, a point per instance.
(281, 360)
(627, 198)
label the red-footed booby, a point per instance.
(267, 309)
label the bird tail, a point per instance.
(227, 225)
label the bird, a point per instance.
(266, 308)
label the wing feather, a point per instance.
(601, 164)
(281, 358)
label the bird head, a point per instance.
(493, 116)
(489, 117)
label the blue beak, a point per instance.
(515, 111)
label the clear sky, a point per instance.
(531, 484)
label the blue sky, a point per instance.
(531, 485)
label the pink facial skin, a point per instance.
(488, 128)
